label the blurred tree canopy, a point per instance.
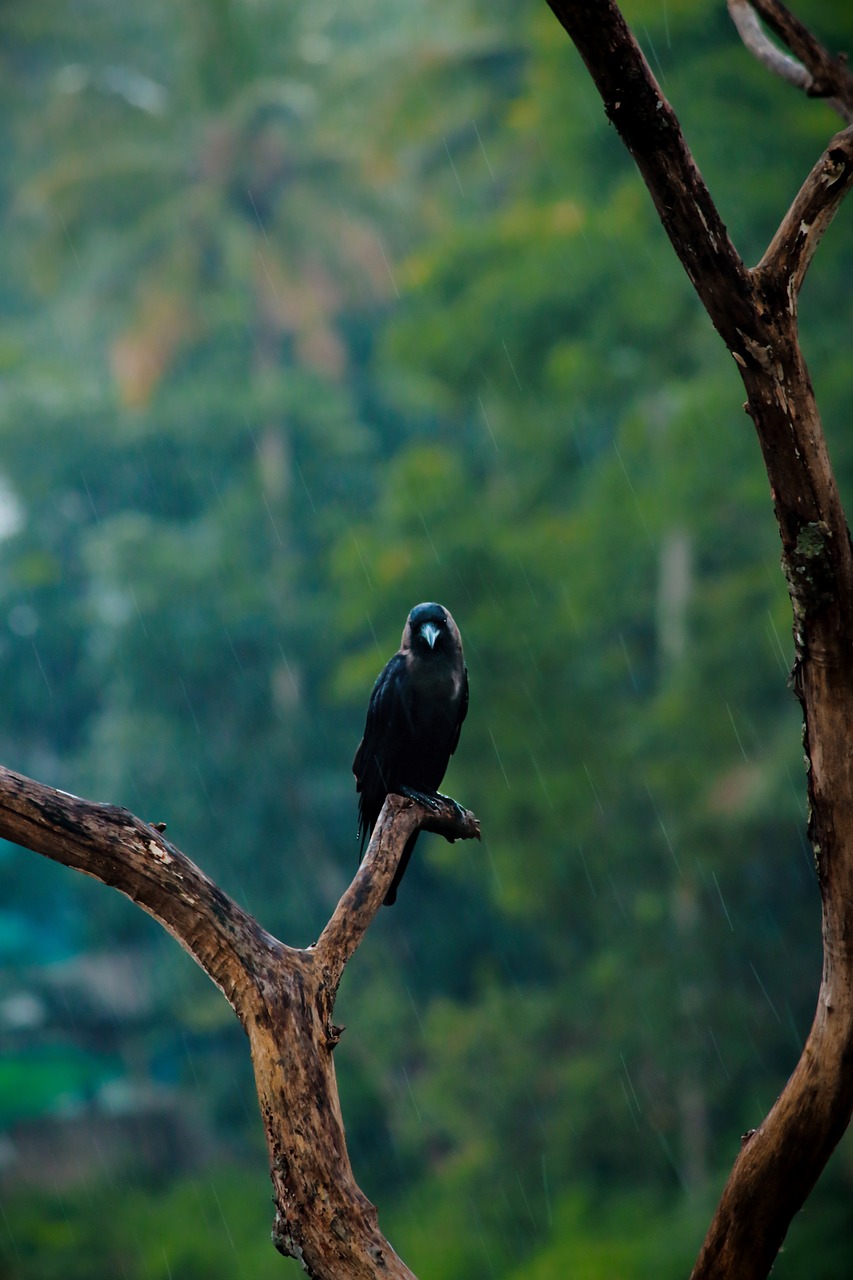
(308, 315)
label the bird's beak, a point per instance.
(430, 633)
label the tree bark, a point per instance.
(755, 312)
(283, 996)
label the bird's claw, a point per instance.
(434, 801)
(454, 804)
(429, 799)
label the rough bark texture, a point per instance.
(755, 312)
(284, 997)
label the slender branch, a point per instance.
(762, 47)
(814, 70)
(829, 76)
(792, 248)
(400, 817)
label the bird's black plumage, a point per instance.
(414, 716)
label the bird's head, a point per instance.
(431, 629)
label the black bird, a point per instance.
(414, 716)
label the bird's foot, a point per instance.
(454, 804)
(429, 799)
(434, 801)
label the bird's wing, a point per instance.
(382, 710)
(463, 711)
(372, 762)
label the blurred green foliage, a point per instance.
(211, 1228)
(309, 314)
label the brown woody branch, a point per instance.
(755, 313)
(813, 68)
(793, 246)
(356, 909)
(283, 996)
(762, 47)
(113, 846)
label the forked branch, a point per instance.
(283, 996)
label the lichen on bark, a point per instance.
(810, 573)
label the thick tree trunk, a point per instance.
(755, 312)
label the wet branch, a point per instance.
(354, 913)
(760, 45)
(755, 312)
(113, 846)
(812, 68)
(793, 246)
(283, 996)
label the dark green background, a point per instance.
(309, 313)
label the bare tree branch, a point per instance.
(113, 846)
(354, 913)
(755, 313)
(283, 996)
(794, 244)
(827, 77)
(762, 47)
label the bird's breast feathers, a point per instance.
(435, 679)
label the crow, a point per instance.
(414, 716)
